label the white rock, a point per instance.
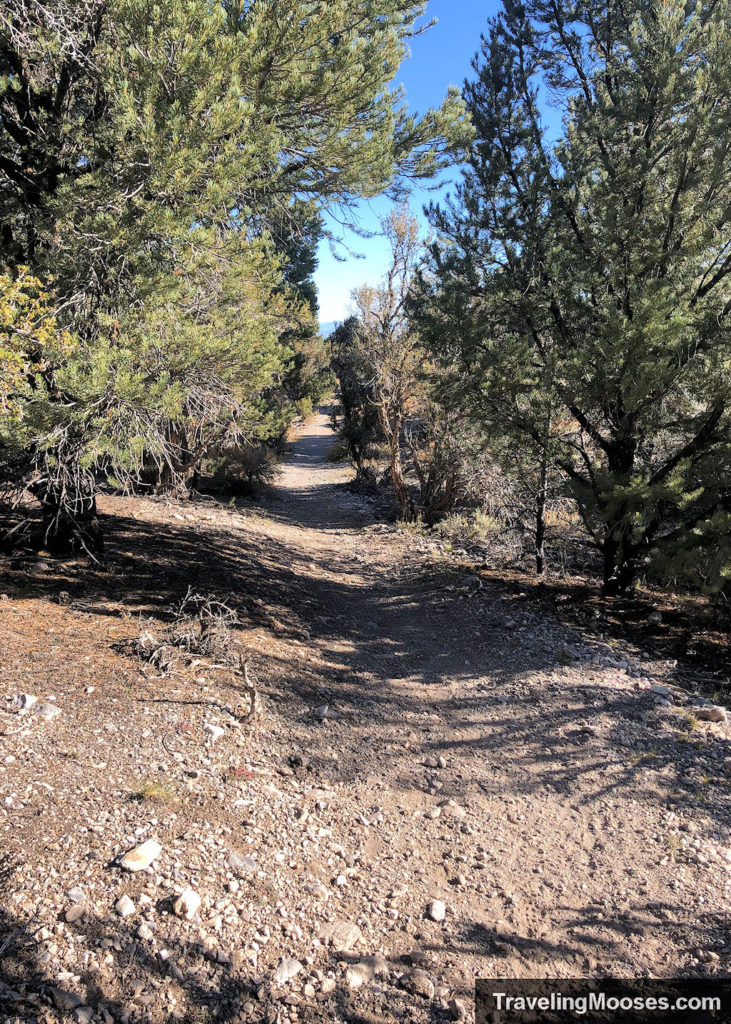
(214, 731)
(437, 910)
(145, 932)
(46, 711)
(287, 969)
(141, 857)
(241, 864)
(358, 974)
(25, 701)
(124, 906)
(186, 905)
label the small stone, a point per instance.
(124, 906)
(186, 905)
(25, 701)
(416, 957)
(419, 983)
(242, 865)
(215, 732)
(145, 932)
(322, 712)
(287, 969)
(710, 714)
(65, 1001)
(661, 691)
(452, 808)
(83, 1014)
(655, 618)
(442, 762)
(46, 711)
(75, 913)
(436, 910)
(76, 894)
(141, 857)
(327, 986)
(358, 975)
(342, 935)
(457, 1009)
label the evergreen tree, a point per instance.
(580, 293)
(147, 154)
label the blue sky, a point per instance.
(439, 58)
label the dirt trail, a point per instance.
(581, 837)
(422, 734)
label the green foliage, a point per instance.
(578, 295)
(167, 164)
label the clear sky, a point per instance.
(439, 58)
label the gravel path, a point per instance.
(442, 782)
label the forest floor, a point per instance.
(445, 777)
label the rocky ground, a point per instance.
(442, 780)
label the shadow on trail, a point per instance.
(372, 637)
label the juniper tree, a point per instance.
(581, 292)
(145, 151)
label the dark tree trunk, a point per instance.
(620, 565)
(71, 526)
(540, 535)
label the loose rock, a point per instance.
(437, 910)
(187, 904)
(141, 856)
(124, 906)
(288, 968)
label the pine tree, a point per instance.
(147, 153)
(581, 292)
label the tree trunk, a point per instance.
(397, 473)
(620, 564)
(540, 534)
(72, 525)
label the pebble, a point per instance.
(436, 910)
(242, 865)
(64, 1001)
(419, 983)
(145, 932)
(187, 904)
(25, 701)
(124, 906)
(358, 974)
(452, 808)
(46, 711)
(288, 968)
(141, 856)
(342, 935)
(457, 1009)
(214, 731)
